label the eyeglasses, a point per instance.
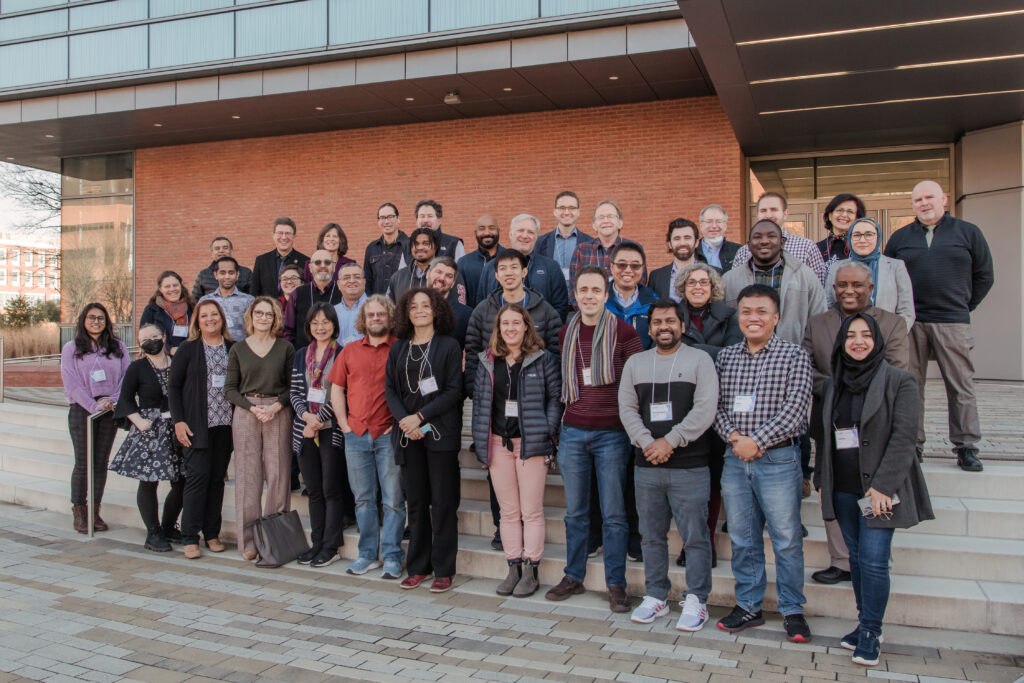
(325, 262)
(845, 212)
(387, 218)
(622, 265)
(350, 278)
(95, 318)
(607, 217)
(291, 278)
(263, 314)
(717, 221)
(698, 283)
(381, 314)
(563, 209)
(863, 235)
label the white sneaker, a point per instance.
(649, 610)
(694, 616)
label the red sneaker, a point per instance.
(414, 580)
(441, 584)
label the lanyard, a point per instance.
(424, 363)
(312, 293)
(654, 374)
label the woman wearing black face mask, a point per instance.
(149, 453)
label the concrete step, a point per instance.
(971, 604)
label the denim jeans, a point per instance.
(370, 460)
(607, 452)
(662, 494)
(765, 490)
(869, 560)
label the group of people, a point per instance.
(658, 396)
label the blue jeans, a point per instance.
(765, 490)
(664, 493)
(869, 560)
(607, 452)
(370, 460)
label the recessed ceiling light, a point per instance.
(158, 125)
(507, 89)
(904, 100)
(613, 78)
(318, 108)
(48, 135)
(10, 158)
(235, 116)
(410, 99)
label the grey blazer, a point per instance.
(893, 291)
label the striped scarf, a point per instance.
(602, 369)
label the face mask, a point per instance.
(715, 242)
(152, 346)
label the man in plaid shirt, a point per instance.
(607, 226)
(773, 206)
(765, 390)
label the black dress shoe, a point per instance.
(803, 531)
(920, 453)
(830, 576)
(967, 459)
(681, 560)
(496, 542)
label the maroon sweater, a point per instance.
(598, 407)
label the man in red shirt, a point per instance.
(357, 394)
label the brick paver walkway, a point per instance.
(107, 610)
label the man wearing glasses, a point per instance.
(268, 266)
(387, 254)
(321, 289)
(353, 294)
(560, 243)
(607, 226)
(206, 281)
(716, 250)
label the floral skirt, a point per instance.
(151, 455)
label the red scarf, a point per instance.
(178, 310)
(315, 371)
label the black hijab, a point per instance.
(851, 377)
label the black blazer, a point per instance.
(265, 272)
(888, 458)
(186, 390)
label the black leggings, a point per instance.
(149, 506)
(102, 440)
(325, 473)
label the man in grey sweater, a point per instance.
(667, 401)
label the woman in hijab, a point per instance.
(893, 291)
(870, 479)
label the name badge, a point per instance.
(218, 381)
(166, 415)
(587, 379)
(511, 408)
(847, 438)
(428, 385)
(180, 331)
(316, 395)
(98, 375)
(661, 412)
(743, 404)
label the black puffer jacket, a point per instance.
(721, 329)
(540, 408)
(481, 324)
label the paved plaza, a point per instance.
(107, 610)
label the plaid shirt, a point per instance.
(779, 377)
(800, 247)
(594, 254)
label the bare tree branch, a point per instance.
(38, 193)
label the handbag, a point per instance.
(279, 538)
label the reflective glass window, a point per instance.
(40, 61)
(107, 174)
(18, 5)
(97, 264)
(354, 21)
(792, 178)
(281, 28)
(31, 25)
(451, 14)
(553, 8)
(92, 54)
(108, 13)
(885, 173)
(188, 41)
(167, 8)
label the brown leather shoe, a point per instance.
(80, 518)
(250, 555)
(215, 545)
(192, 551)
(97, 523)
(617, 599)
(564, 589)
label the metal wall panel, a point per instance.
(451, 14)
(189, 41)
(107, 13)
(8, 6)
(108, 52)
(353, 21)
(281, 28)
(167, 8)
(554, 8)
(31, 25)
(36, 62)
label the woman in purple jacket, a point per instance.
(92, 366)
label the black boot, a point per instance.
(156, 541)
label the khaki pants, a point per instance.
(950, 344)
(263, 452)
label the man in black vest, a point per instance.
(268, 266)
(321, 289)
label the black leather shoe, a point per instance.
(681, 560)
(803, 531)
(920, 453)
(831, 576)
(967, 459)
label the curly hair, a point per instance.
(277, 328)
(717, 286)
(444, 317)
(384, 301)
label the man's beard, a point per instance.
(376, 330)
(660, 345)
(683, 252)
(486, 241)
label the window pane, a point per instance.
(353, 21)
(450, 14)
(792, 178)
(108, 174)
(97, 264)
(551, 8)
(19, 5)
(882, 174)
(167, 8)
(91, 53)
(41, 61)
(32, 25)
(107, 13)
(281, 28)
(188, 41)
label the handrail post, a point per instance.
(1, 369)
(90, 501)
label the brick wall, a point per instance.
(659, 160)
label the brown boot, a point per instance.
(80, 518)
(97, 523)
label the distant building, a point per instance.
(29, 267)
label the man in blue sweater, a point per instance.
(950, 266)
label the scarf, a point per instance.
(852, 376)
(315, 371)
(178, 310)
(696, 315)
(602, 371)
(841, 244)
(871, 259)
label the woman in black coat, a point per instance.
(870, 478)
(709, 325)
(516, 415)
(201, 415)
(170, 308)
(423, 388)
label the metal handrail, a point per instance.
(90, 501)
(1, 368)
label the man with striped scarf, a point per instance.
(594, 346)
